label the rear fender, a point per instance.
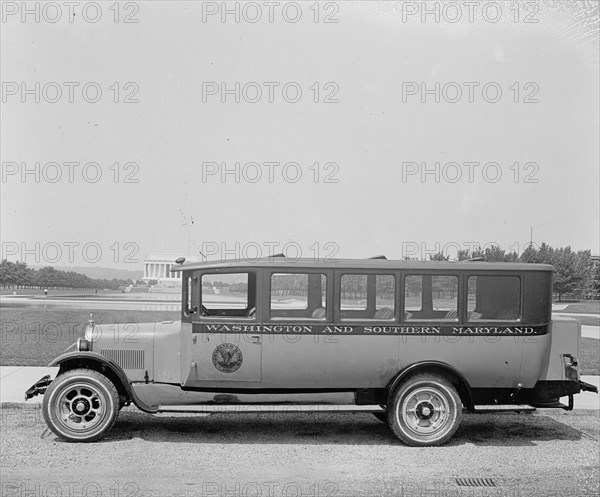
(448, 372)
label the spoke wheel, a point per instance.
(81, 405)
(426, 410)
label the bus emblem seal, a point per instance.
(227, 358)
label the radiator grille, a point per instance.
(127, 359)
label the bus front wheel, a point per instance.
(81, 405)
(425, 410)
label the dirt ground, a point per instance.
(325, 455)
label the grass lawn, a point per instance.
(587, 307)
(55, 293)
(34, 336)
(589, 360)
(585, 320)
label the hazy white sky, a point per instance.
(378, 204)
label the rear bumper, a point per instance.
(586, 387)
(546, 394)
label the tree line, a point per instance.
(19, 275)
(575, 275)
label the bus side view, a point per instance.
(416, 343)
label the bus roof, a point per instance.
(375, 263)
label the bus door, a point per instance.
(223, 345)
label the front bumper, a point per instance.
(39, 387)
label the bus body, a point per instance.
(419, 342)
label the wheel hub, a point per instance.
(81, 407)
(425, 410)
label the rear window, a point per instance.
(494, 298)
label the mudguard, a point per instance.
(72, 360)
(432, 366)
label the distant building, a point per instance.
(158, 267)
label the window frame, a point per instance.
(268, 275)
(189, 297)
(357, 272)
(255, 294)
(459, 291)
(521, 279)
(333, 277)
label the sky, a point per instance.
(397, 133)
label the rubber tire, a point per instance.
(445, 390)
(110, 397)
(381, 416)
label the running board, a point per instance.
(266, 408)
(295, 408)
(505, 408)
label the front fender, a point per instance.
(93, 356)
(98, 362)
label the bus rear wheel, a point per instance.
(426, 410)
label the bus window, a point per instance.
(229, 294)
(431, 297)
(365, 296)
(298, 295)
(494, 298)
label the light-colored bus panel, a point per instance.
(565, 336)
(328, 361)
(371, 362)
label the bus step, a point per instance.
(505, 408)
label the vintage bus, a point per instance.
(416, 343)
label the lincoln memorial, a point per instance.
(158, 266)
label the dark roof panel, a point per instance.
(289, 264)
